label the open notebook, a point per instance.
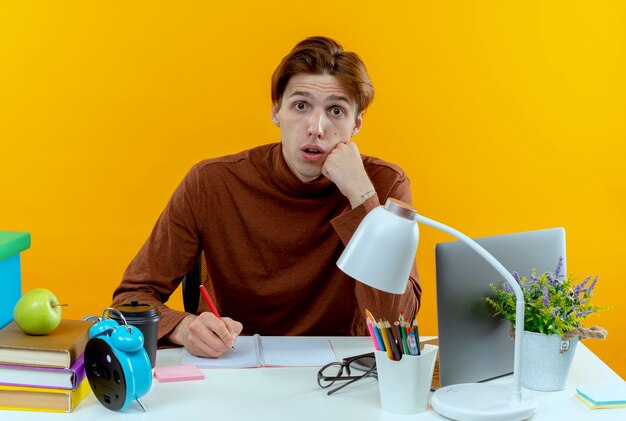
(269, 351)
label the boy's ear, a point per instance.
(358, 122)
(274, 113)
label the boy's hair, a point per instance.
(322, 55)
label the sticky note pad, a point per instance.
(603, 396)
(178, 373)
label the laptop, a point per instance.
(473, 344)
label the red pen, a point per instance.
(209, 301)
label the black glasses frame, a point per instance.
(326, 381)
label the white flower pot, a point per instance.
(544, 366)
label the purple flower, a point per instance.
(584, 282)
(584, 313)
(559, 267)
(593, 284)
(553, 312)
(507, 288)
(546, 298)
(516, 277)
(579, 288)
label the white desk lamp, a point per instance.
(380, 254)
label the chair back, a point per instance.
(191, 285)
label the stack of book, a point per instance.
(43, 373)
(599, 397)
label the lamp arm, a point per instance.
(519, 297)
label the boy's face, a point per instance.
(315, 114)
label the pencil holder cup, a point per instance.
(405, 385)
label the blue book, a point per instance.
(11, 244)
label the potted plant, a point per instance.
(555, 307)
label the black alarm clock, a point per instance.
(116, 363)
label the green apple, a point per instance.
(37, 312)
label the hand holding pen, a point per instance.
(223, 337)
(206, 335)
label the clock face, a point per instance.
(105, 374)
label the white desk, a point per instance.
(293, 394)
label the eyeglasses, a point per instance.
(341, 371)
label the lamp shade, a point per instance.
(382, 250)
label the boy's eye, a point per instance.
(300, 106)
(336, 111)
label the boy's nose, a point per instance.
(316, 125)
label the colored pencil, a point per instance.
(386, 339)
(394, 341)
(398, 331)
(417, 336)
(373, 335)
(379, 338)
(404, 341)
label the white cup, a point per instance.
(405, 385)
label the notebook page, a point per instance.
(245, 355)
(300, 351)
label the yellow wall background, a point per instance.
(507, 117)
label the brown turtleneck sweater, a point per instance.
(271, 243)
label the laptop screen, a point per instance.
(473, 345)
